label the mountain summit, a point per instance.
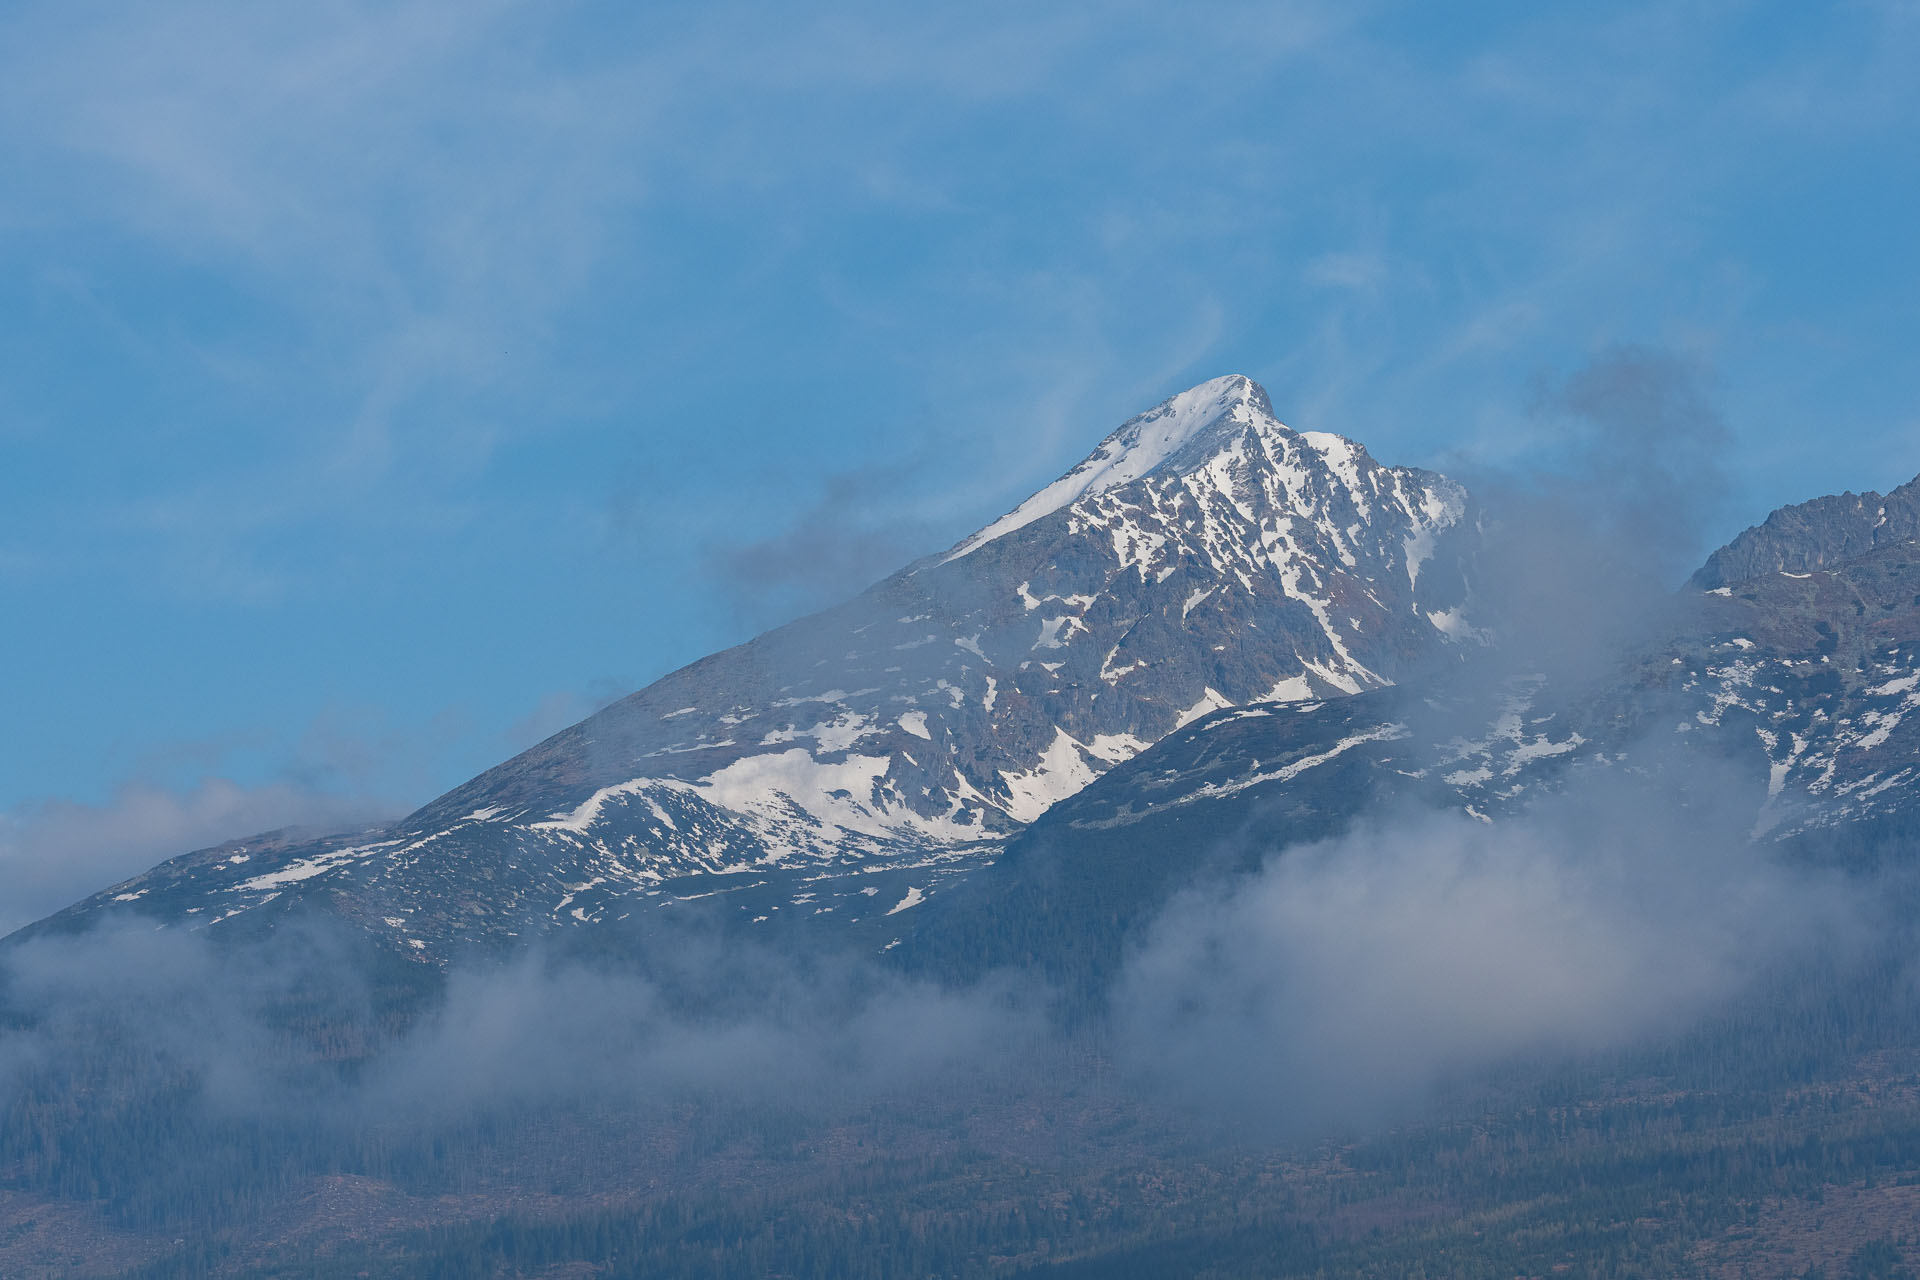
(1196, 418)
(1202, 556)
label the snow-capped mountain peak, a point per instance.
(1202, 556)
(1140, 445)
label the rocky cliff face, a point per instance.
(1203, 556)
(1813, 535)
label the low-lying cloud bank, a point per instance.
(531, 1035)
(1343, 983)
(298, 1029)
(1350, 979)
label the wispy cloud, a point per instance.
(56, 852)
(431, 194)
(858, 532)
(1349, 269)
(349, 767)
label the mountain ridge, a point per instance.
(1811, 535)
(1790, 702)
(1204, 565)
(1203, 555)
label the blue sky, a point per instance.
(385, 385)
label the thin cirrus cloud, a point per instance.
(432, 191)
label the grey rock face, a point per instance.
(1203, 556)
(1813, 535)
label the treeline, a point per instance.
(1505, 1205)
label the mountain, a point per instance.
(1202, 556)
(1213, 643)
(1813, 535)
(1792, 698)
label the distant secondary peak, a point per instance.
(1815, 535)
(1218, 407)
